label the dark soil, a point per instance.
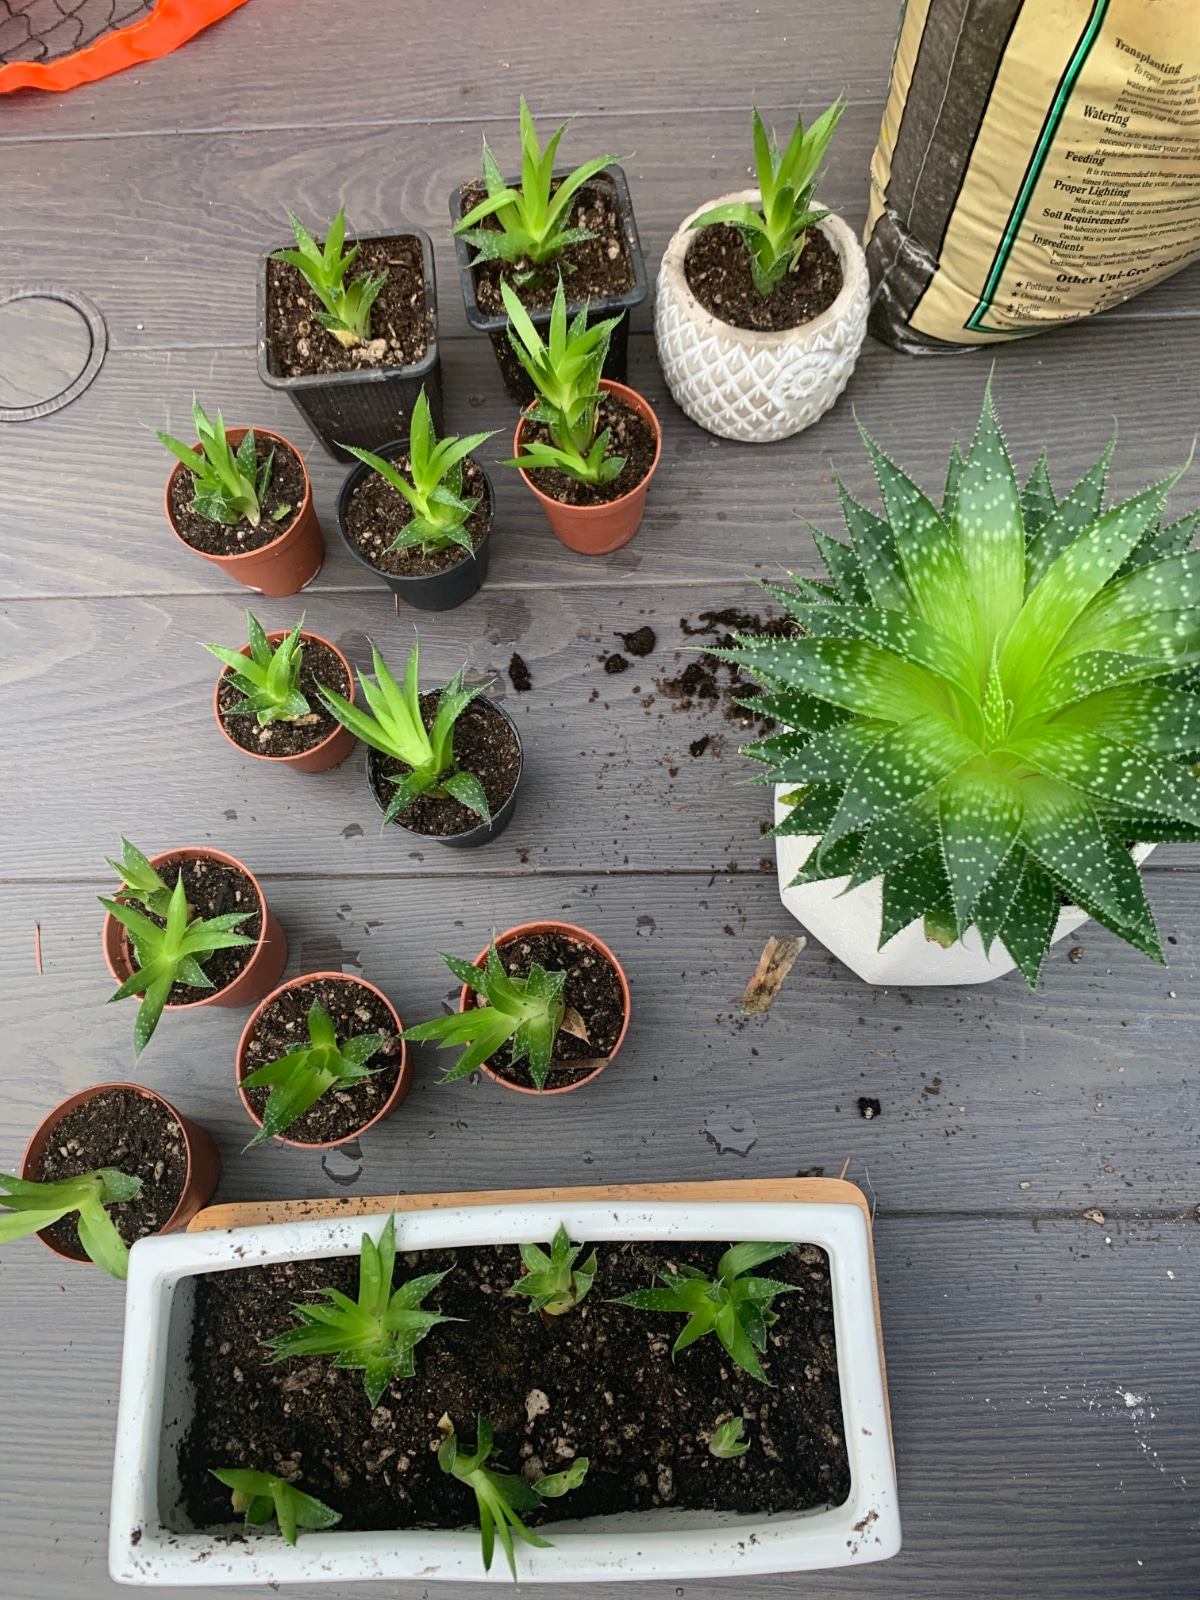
(401, 323)
(592, 988)
(611, 1392)
(138, 1137)
(631, 437)
(595, 269)
(283, 1026)
(378, 513)
(640, 642)
(319, 665)
(518, 674)
(718, 270)
(615, 663)
(707, 682)
(213, 890)
(484, 744)
(286, 488)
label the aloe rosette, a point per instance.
(989, 702)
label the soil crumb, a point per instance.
(518, 674)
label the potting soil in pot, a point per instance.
(598, 1382)
(718, 270)
(319, 665)
(132, 1133)
(631, 436)
(283, 1026)
(592, 989)
(400, 320)
(214, 889)
(485, 745)
(286, 488)
(378, 513)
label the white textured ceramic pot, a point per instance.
(848, 925)
(151, 1542)
(754, 386)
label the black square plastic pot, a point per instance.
(517, 384)
(436, 591)
(485, 832)
(366, 408)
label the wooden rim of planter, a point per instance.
(234, 562)
(322, 749)
(115, 938)
(199, 1181)
(840, 236)
(403, 1077)
(585, 514)
(570, 931)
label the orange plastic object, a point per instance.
(170, 24)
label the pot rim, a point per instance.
(187, 852)
(588, 513)
(41, 1138)
(840, 236)
(273, 637)
(572, 931)
(402, 1077)
(351, 482)
(235, 436)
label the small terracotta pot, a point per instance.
(403, 1082)
(596, 530)
(203, 1160)
(260, 974)
(289, 562)
(332, 750)
(584, 937)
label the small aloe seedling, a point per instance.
(787, 182)
(531, 220)
(269, 678)
(396, 728)
(727, 1442)
(300, 1078)
(261, 1496)
(565, 371)
(553, 1283)
(433, 487)
(376, 1335)
(228, 484)
(500, 1495)
(733, 1305)
(140, 881)
(35, 1206)
(347, 313)
(166, 952)
(528, 1011)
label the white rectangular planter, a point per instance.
(150, 1541)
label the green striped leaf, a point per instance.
(1080, 676)
(895, 838)
(980, 817)
(899, 768)
(1147, 827)
(953, 476)
(876, 550)
(907, 636)
(1169, 585)
(828, 861)
(1038, 504)
(1080, 509)
(829, 758)
(1138, 929)
(1166, 721)
(844, 567)
(1172, 635)
(910, 890)
(989, 529)
(1127, 777)
(811, 814)
(1172, 540)
(802, 712)
(992, 906)
(1031, 920)
(851, 673)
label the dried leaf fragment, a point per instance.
(773, 967)
(574, 1024)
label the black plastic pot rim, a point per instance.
(313, 380)
(396, 581)
(470, 836)
(484, 322)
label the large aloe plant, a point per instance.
(988, 703)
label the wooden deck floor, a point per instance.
(1043, 1366)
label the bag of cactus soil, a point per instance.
(1039, 161)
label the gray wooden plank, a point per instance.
(1041, 1388)
(81, 491)
(982, 1089)
(281, 63)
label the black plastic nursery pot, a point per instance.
(516, 382)
(434, 591)
(370, 405)
(502, 815)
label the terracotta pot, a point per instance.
(403, 1082)
(331, 752)
(289, 562)
(203, 1160)
(584, 937)
(260, 974)
(596, 530)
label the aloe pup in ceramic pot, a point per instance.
(981, 712)
(761, 308)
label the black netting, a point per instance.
(47, 30)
